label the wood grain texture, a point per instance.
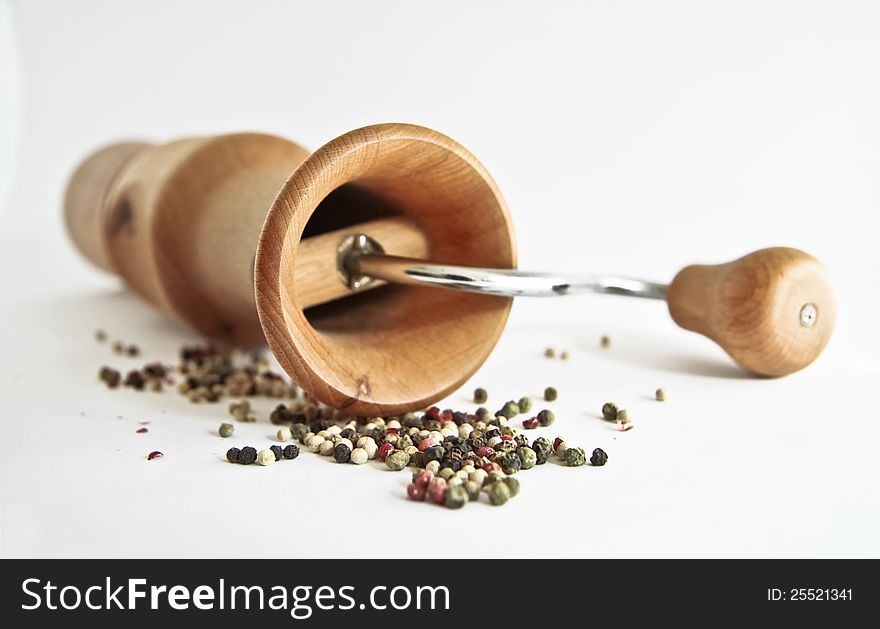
(752, 308)
(180, 221)
(395, 348)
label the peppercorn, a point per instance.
(546, 418)
(298, 431)
(660, 394)
(574, 457)
(599, 457)
(531, 423)
(279, 453)
(605, 342)
(416, 492)
(359, 456)
(247, 455)
(623, 417)
(232, 455)
(342, 453)
(283, 434)
(290, 452)
(456, 497)
(510, 462)
(559, 446)
(266, 457)
(512, 485)
(480, 396)
(100, 336)
(550, 394)
(499, 493)
(397, 460)
(527, 457)
(510, 409)
(473, 490)
(437, 490)
(564, 356)
(226, 430)
(549, 352)
(482, 413)
(524, 404)
(609, 411)
(118, 347)
(155, 454)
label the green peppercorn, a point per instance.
(549, 352)
(550, 394)
(546, 418)
(609, 411)
(456, 497)
(397, 460)
(660, 394)
(527, 457)
(499, 493)
(480, 396)
(226, 430)
(524, 404)
(482, 413)
(509, 410)
(512, 485)
(605, 342)
(563, 356)
(599, 457)
(574, 457)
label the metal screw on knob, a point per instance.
(809, 315)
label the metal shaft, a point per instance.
(361, 262)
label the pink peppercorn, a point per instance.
(424, 478)
(427, 442)
(557, 442)
(155, 454)
(141, 430)
(437, 492)
(433, 413)
(485, 451)
(392, 431)
(490, 467)
(384, 450)
(415, 492)
(506, 437)
(531, 423)
(446, 416)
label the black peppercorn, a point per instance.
(543, 448)
(599, 457)
(342, 453)
(290, 452)
(247, 455)
(232, 455)
(434, 453)
(277, 451)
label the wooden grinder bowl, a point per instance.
(236, 235)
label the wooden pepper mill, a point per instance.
(249, 238)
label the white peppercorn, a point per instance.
(265, 457)
(283, 434)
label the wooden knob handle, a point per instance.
(773, 310)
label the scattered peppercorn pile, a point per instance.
(456, 456)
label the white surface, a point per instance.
(630, 137)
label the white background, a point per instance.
(633, 137)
